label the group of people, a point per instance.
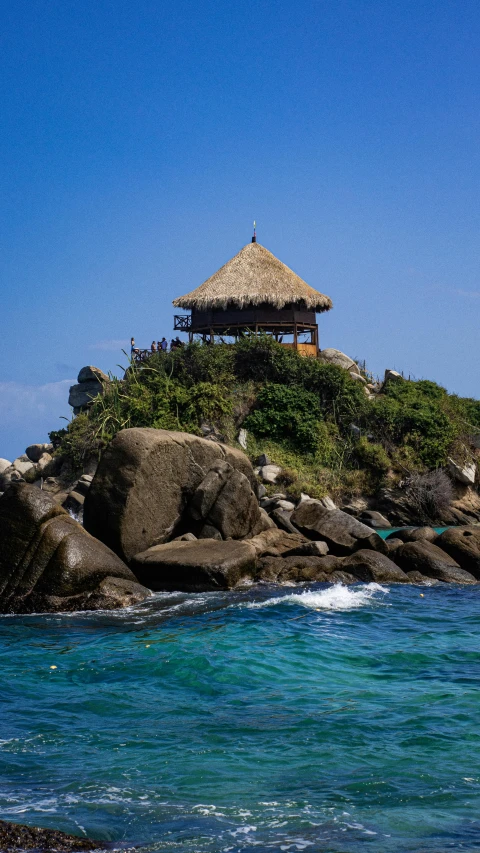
(157, 346)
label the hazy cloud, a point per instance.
(29, 403)
(471, 294)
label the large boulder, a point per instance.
(147, 478)
(463, 545)
(342, 532)
(205, 564)
(36, 451)
(91, 383)
(88, 373)
(371, 566)
(48, 562)
(432, 562)
(339, 359)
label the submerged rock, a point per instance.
(49, 563)
(17, 838)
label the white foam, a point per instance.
(337, 597)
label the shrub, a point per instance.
(429, 495)
(286, 414)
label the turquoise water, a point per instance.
(388, 532)
(319, 719)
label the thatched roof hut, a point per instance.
(254, 277)
(254, 292)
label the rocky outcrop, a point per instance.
(463, 545)
(432, 562)
(339, 359)
(49, 563)
(91, 383)
(343, 533)
(17, 838)
(150, 481)
(195, 566)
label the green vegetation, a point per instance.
(298, 410)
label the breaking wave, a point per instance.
(337, 597)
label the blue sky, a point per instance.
(140, 140)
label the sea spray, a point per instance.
(337, 597)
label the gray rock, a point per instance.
(145, 480)
(355, 431)
(308, 549)
(36, 451)
(275, 542)
(462, 473)
(89, 373)
(392, 545)
(335, 356)
(242, 439)
(209, 489)
(74, 502)
(208, 531)
(369, 565)
(23, 465)
(196, 566)
(414, 534)
(235, 512)
(426, 558)
(288, 506)
(282, 520)
(44, 464)
(342, 532)
(298, 569)
(83, 394)
(263, 459)
(4, 464)
(264, 522)
(393, 376)
(62, 568)
(463, 545)
(261, 491)
(270, 473)
(374, 519)
(355, 506)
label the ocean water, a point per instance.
(276, 718)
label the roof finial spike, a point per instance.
(254, 238)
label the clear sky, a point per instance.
(140, 139)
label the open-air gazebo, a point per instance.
(254, 293)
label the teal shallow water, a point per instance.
(320, 719)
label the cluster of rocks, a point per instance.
(173, 511)
(36, 462)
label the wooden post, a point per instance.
(295, 341)
(212, 337)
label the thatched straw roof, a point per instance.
(253, 277)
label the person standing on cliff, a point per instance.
(164, 344)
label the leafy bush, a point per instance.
(286, 414)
